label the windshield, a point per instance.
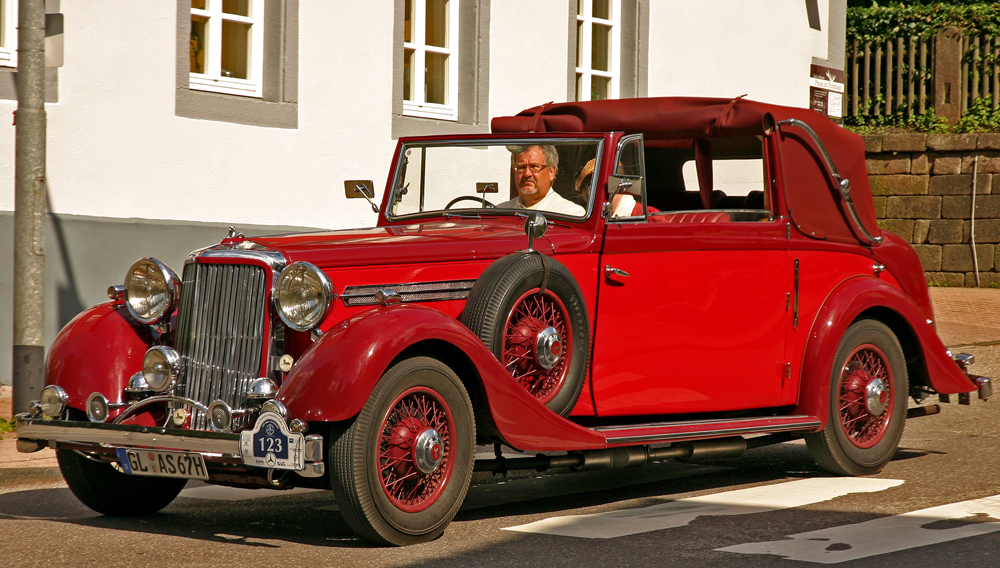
(554, 176)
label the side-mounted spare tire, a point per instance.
(530, 313)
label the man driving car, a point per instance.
(535, 168)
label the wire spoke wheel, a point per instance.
(416, 436)
(401, 468)
(868, 389)
(865, 388)
(538, 343)
(531, 315)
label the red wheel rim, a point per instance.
(865, 365)
(413, 412)
(531, 314)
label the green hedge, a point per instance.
(881, 19)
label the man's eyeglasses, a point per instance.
(533, 168)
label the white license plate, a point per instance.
(189, 465)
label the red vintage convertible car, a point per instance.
(608, 282)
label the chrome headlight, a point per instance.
(160, 367)
(152, 290)
(53, 401)
(302, 295)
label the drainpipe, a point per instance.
(972, 218)
(29, 206)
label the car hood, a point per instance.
(423, 242)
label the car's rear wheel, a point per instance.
(868, 390)
(401, 469)
(108, 491)
(535, 324)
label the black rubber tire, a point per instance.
(110, 492)
(493, 296)
(355, 450)
(832, 447)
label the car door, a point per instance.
(691, 314)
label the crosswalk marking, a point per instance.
(678, 513)
(888, 534)
(224, 493)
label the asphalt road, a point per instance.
(931, 506)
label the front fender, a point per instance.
(839, 311)
(98, 350)
(334, 378)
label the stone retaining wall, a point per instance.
(922, 184)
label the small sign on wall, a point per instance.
(826, 91)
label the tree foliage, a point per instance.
(873, 20)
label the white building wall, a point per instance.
(726, 48)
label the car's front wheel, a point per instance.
(868, 390)
(401, 469)
(110, 492)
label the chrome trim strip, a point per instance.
(843, 184)
(689, 429)
(124, 435)
(274, 259)
(409, 292)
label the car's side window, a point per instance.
(713, 180)
(627, 183)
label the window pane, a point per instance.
(408, 22)
(602, 9)
(199, 41)
(579, 44)
(579, 7)
(407, 74)
(198, 4)
(579, 87)
(600, 48)
(436, 78)
(600, 88)
(437, 23)
(237, 7)
(235, 49)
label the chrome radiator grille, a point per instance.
(220, 333)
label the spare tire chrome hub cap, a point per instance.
(548, 347)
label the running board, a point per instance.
(702, 429)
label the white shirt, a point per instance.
(625, 207)
(551, 202)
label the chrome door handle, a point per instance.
(608, 271)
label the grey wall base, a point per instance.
(85, 255)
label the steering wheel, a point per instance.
(470, 198)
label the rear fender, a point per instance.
(851, 300)
(334, 378)
(98, 350)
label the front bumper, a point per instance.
(219, 448)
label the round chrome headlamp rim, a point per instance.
(97, 408)
(225, 422)
(327, 290)
(173, 291)
(61, 398)
(173, 362)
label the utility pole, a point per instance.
(29, 206)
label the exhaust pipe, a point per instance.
(613, 458)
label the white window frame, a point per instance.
(419, 106)
(585, 49)
(8, 51)
(212, 80)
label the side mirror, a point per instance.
(534, 226)
(360, 188)
(625, 183)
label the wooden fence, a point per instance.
(902, 75)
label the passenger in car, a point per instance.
(623, 205)
(535, 168)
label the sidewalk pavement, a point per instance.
(965, 316)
